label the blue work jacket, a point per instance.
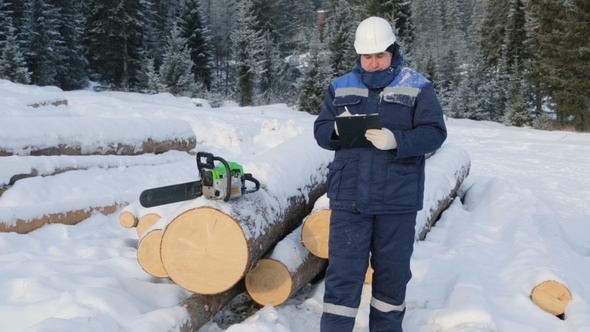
(369, 180)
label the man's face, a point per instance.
(376, 62)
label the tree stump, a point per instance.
(284, 272)
(551, 296)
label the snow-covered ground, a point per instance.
(524, 219)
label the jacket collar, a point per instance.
(378, 79)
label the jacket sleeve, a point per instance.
(323, 127)
(429, 129)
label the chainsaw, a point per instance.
(223, 181)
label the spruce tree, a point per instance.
(72, 72)
(246, 46)
(270, 83)
(44, 53)
(559, 39)
(198, 40)
(114, 37)
(176, 70)
(221, 21)
(148, 79)
(339, 37)
(13, 66)
(316, 77)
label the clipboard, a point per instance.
(352, 128)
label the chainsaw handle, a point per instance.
(249, 177)
(205, 160)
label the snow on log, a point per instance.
(128, 215)
(551, 296)
(210, 246)
(283, 272)
(445, 172)
(18, 95)
(15, 169)
(23, 226)
(93, 136)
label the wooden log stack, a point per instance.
(208, 246)
(218, 250)
(93, 136)
(445, 172)
(284, 271)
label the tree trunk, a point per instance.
(73, 217)
(138, 136)
(207, 251)
(285, 271)
(202, 308)
(210, 246)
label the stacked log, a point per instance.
(284, 271)
(72, 217)
(218, 250)
(208, 246)
(154, 138)
(445, 172)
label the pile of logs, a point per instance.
(93, 141)
(267, 244)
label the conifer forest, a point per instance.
(517, 62)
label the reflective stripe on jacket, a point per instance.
(373, 181)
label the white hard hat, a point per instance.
(373, 35)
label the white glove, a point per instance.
(382, 139)
(346, 113)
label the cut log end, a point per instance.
(316, 232)
(204, 251)
(551, 296)
(127, 219)
(148, 254)
(145, 222)
(269, 282)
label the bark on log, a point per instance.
(207, 251)
(551, 296)
(15, 169)
(445, 172)
(92, 136)
(202, 308)
(22, 226)
(283, 272)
